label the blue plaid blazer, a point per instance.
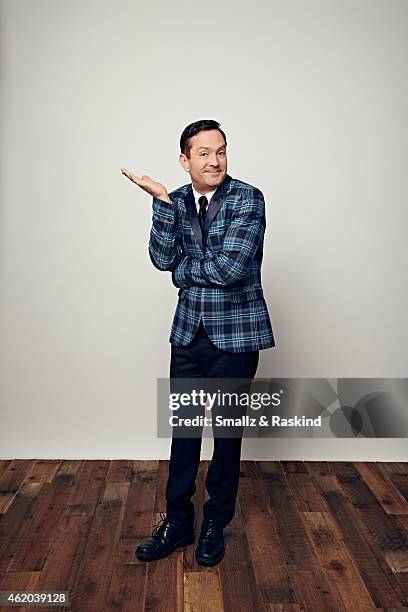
(217, 271)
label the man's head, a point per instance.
(203, 154)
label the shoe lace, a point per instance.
(159, 524)
(211, 530)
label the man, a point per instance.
(209, 233)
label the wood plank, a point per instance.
(311, 593)
(43, 470)
(393, 467)
(397, 476)
(19, 582)
(289, 525)
(33, 544)
(268, 557)
(164, 588)
(402, 522)
(88, 487)
(318, 468)
(202, 592)
(137, 521)
(11, 480)
(404, 466)
(309, 582)
(70, 469)
(127, 589)
(377, 576)
(386, 536)
(307, 497)
(92, 581)
(293, 467)
(65, 553)
(238, 585)
(402, 579)
(389, 497)
(345, 582)
(120, 470)
(3, 464)
(16, 521)
(345, 469)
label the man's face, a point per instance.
(207, 165)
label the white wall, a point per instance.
(313, 98)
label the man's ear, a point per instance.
(184, 163)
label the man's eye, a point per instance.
(203, 153)
(222, 152)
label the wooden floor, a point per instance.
(306, 536)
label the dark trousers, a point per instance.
(202, 359)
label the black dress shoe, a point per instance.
(210, 547)
(166, 537)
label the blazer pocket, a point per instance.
(255, 293)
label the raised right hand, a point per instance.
(152, 187)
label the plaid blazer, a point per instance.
(217, 271)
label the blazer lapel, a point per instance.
(212, 210)
(216, 202)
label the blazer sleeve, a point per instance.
(241, 241)
(165, 248)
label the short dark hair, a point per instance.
(193, 129)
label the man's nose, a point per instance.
(213, 160)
